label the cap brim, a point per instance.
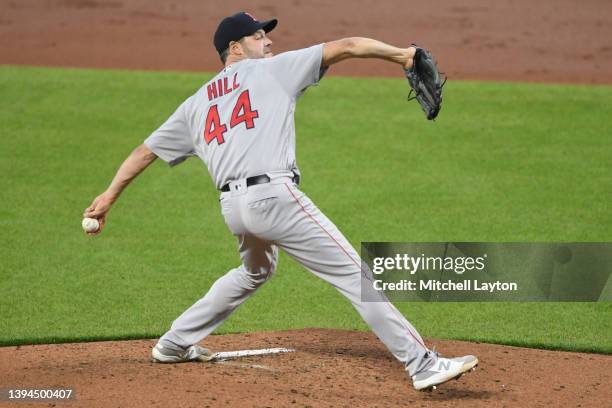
(269, 25)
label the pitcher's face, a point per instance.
(257, 45)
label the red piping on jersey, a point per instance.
(330, 235)
(393, 309)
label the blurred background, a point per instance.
(519, 40)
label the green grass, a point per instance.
(505, 162)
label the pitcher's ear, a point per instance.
(236, 48)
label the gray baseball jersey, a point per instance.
(241, 122)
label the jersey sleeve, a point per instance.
(172, 142)
(296, 70)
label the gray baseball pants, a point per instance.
(265, 217)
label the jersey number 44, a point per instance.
(242, 112)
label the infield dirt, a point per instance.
(522, 40)
(330, 368)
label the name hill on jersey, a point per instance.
(221, 87)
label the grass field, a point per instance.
(505, 162)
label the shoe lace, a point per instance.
(435, 352)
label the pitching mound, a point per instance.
(329, 368)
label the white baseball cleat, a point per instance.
(163, 354)
(444, 369)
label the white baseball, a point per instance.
(90, 225)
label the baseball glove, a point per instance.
(426, 82)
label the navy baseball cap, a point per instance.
(239, 25)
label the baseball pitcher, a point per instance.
(241, 125)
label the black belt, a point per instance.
(261, 179)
